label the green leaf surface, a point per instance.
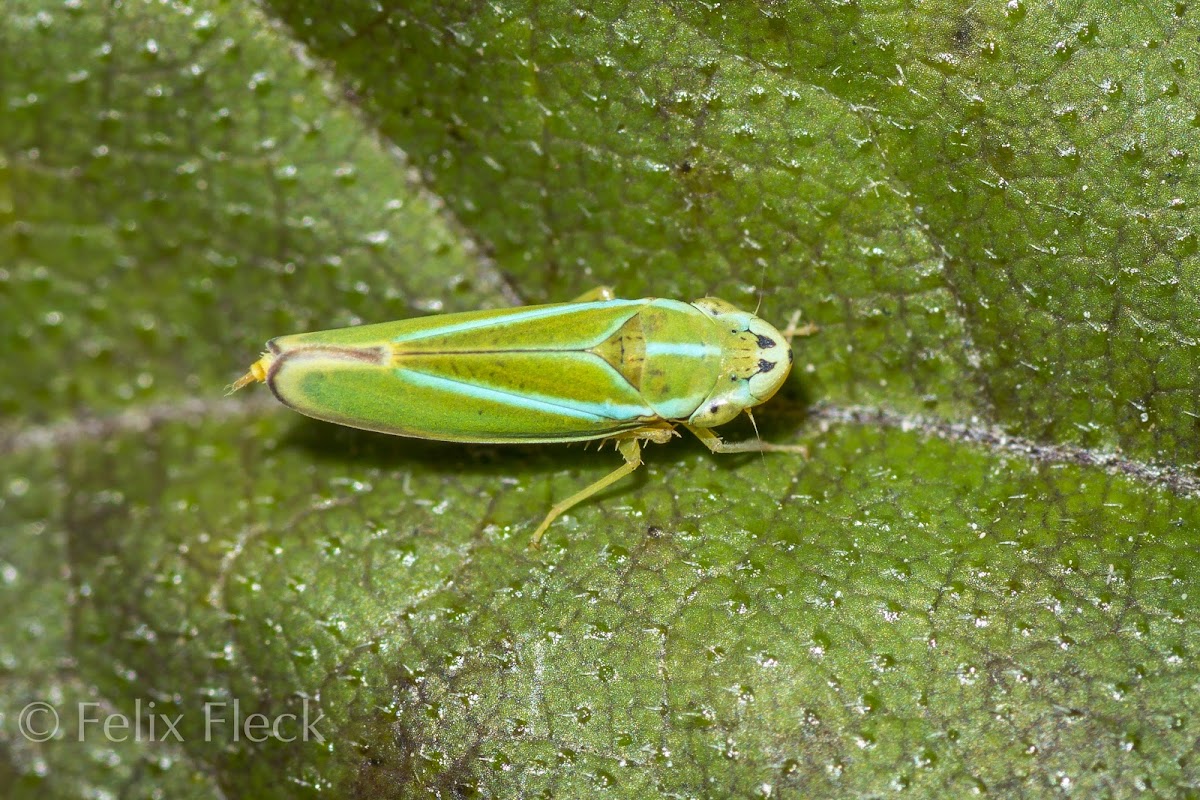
(982, 580)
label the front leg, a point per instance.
(794, 328)
(718, 445)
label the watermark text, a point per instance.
(146, 721)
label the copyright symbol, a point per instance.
(38, 721)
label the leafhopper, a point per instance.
(597, 368)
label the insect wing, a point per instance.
(510, 375)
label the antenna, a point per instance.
(754, 424)
(761, 291)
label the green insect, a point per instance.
(595, 368)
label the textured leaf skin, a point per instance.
(990, 210)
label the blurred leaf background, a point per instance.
(989, 209)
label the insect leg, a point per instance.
(631, 449)
(794, 328)
(592, 295)
(718, 445)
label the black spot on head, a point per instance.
(766, 342)
(765, 366)
(714, 408)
